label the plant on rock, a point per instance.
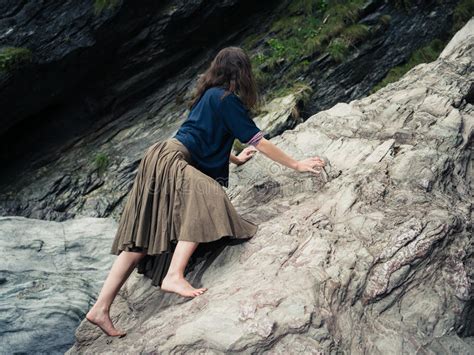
(12, 58)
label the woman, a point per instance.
(177, 200)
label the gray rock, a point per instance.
(373, 257)
(49, 274)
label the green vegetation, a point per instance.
(355, 34)
(338, 49)
(101, 162)
(305, 30)
(12, 58)
(301, 90)
(425, 54)
(463, 12)
(101, 5)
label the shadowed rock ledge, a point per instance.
(373, 257)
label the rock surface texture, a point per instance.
(373, 257)
(49, 273)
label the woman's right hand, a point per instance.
(309, 164)
(276, 154)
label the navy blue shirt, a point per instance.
(210, 129)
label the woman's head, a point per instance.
(231, 68)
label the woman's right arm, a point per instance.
(276, 154)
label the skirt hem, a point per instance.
(175, 241)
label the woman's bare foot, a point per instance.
(101, 318)
(179, 285)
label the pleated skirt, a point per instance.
(172, 200)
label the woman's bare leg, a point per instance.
(119, 273)
(174, 280)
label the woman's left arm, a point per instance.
(244, 155)
(235, 160)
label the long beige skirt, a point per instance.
(172, 200)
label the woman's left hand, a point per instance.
(246, 154)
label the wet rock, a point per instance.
(50, 272)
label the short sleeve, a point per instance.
(237, 119)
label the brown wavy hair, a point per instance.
(231, 69)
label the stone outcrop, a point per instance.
(374, 255)
(50, 272)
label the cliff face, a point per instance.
(103, 83)
(95, 73)
(373, 257)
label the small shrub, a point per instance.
(337, 49)
(101, 162)
(12, 58)
(355, 33)
(277, 47)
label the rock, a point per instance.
(278, 115)
(81, 49)
(364, 68)
(375, 259)
(50, 273)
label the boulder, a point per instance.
(372, 255)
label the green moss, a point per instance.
(463, 12)
(101, 162)
(12, 58)
(425, 54)
(101, 5)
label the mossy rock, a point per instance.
(463, 12)
(12, 58)
(424, 54)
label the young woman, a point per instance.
(177, 200)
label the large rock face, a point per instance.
(373, 257)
